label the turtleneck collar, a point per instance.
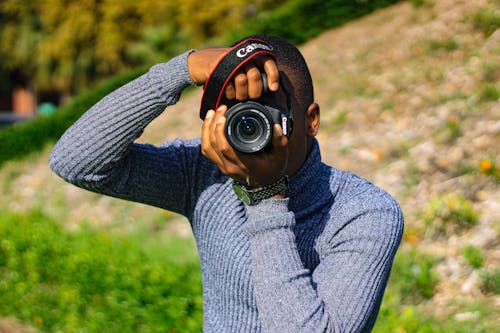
(309, 188)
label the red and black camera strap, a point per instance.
(223, 72)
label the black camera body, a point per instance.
(249, 124)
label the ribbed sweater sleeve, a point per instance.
(98, 151)
(344, 292)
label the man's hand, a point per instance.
(255, 170)
(247, 81)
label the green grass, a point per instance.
(416, 278)
(490, 281)
(449, 213)
(489, 92)
(412, 282)
(96, 281)
(474, 256)
(448, 45)
(486, 20)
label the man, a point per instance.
(313, 256)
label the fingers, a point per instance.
(280, 147)
(216, 147)
(230, 91)
(255, 84)
(272, 72)
(247, 81)
(241, 85)
(226, 153)
(218, 144)
(279, 139)
(206, 145)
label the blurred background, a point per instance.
(409, 93)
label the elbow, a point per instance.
(68, 165)
(59, 163)
(77, 168)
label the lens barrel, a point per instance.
(249, 127)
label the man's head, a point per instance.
(292, 63)
(291, 85)
(295, 76)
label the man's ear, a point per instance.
(312, 120)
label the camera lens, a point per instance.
(248, 129)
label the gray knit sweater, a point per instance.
(317, 261)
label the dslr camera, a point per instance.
(249, 124)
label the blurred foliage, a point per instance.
(486, 20)
(447, 214)
(474, 256)
(490, 281)
(67, 44)
(413, 280)
(94, 281)
(415, 277)
(300, 20)
(22, 139)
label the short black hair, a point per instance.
(292, 62)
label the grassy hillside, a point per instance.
(409, 98)
(19, 140)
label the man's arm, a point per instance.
(98, 153)
(344, 292)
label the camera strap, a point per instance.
(227, 66)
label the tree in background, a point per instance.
(66, 45)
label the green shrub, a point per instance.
(413, 276)
(442, 45)
(449, 213)
(396, 318)
(296, 20)
(490, 281)
(474, 256)
(490, 72)
(93, 281)
(489, 92)
(22, 139)
(412, 280)
(300, 20)
(417, 3)
(486, 20)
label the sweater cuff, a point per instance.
(268, 215)
(161, 73)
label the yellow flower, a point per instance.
(413, 239)
(485, 165)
